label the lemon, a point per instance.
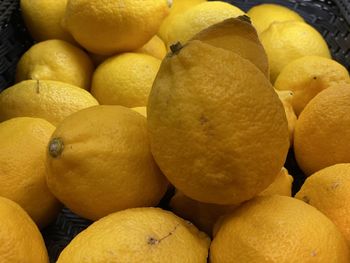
(309, 75)
(108, 27)
(138, 235)
(216, 140)
(21, 240)
(239, 36)
(282, 185)
(56, 60)
(43, 19)
(23, 144)
(286, 97)
(141, 110)
(290, 40)
(103, 151)
(178, 7)
(125, 79)
(278, 229)
(264, 15)
(184, 26)
(205, 215)
(322, 133)
(46, 99)
(329, 191)
(154, 47)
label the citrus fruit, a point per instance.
(216, 140)
(290, 40)
(278, 229)
(309, 75)
(205, 215)
(23, 144)
(322, 132)
(239, 36)
(184, 26)
(282, 185)
(329, 191)
(141, 110)
(56, 60)
(99, 162)
(154, 47)
(125, 79)
(127, 25)
(264, 15)
(141, 235)
(178, 7)
(46, 99)
(286, 97)
(43, 19)
(21, 240)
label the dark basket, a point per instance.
(330, 18)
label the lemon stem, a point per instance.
(245, 18)
(56, 147)
(175, 48)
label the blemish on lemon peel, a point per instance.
(37, 86)
(155, 241)
(56, 147)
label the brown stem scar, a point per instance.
(175, 48)
(37, 86)
(154, 241)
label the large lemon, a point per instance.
(43, 19)
(290, 40)
(46, 99)
(99, 161)
(138, 235)
(106, 27)
(20, 238)
(23, 144)
(322, 133)
(278, 229)
(329, 191)
(218, 129)
(56, 60)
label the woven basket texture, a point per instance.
(330, 18)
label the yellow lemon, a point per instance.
(286, 97)
(329, 191)
(138, 235)
(278, 229)
(43, 19)
(184, 26)
(205, 215)
(154, 47)
(264, 15)
(125, 79)
(282, 185)
(309, 75)
(290, 40)
(214, 139)
(322, 133)
(23, 144)
(56, 60)
(46, 99)
(21, 240)
(239, 36)
(103, 151)
(141, 110)
(178, 7)
(108, 27)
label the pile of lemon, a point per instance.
(119, 102)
